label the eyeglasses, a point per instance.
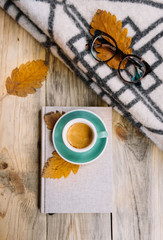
(131, 68)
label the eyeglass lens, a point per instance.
(103, 47)
(132, 69)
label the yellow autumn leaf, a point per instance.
(56, 167)
(108, 23)
(25, 79)
(51, 118)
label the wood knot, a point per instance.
(121, 133)
(16, 182)
(138, 133)
(3, 165)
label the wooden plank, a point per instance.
(65, 89)
(138, 184)
(85, 226)
(20, 217)
(156, 189)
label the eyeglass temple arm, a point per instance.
(134, 62)
(104, 45)
(104, 41)
(98, 33)
(148, 67)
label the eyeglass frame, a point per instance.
(148, 68)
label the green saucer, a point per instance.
(76, 157)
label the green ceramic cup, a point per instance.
(84, 155)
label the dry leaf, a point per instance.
(51, 118)
(56, 167)
(108, 23)
(25, 79)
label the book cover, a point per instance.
(88, 191)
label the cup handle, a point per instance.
(103, 134)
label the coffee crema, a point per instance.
(79, 135)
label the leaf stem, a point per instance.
(3, 97)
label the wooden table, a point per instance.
(137, 162)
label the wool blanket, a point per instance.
(63, 27)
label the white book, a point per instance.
(90, 189)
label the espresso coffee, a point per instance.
(79, 135)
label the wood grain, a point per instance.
(138, 184)
(63, 88)
(20, 217)
(79, 226)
